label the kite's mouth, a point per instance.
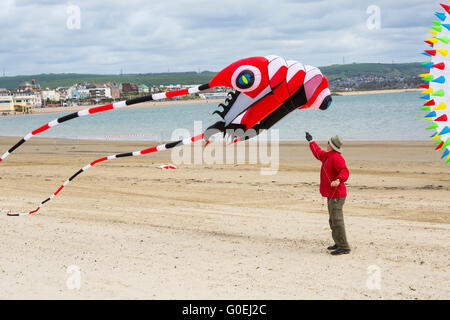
(326, 103)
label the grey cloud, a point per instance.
(148, 36)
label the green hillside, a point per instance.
(332, 72)
(66, 79)
(378, 69)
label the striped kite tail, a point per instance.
(161, 147)
(112, 106)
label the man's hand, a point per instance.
(308, 137)
(335, 183)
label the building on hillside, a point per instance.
(130, 88)
(144, 89)
(115, 90)
(73, 93)
(99, 91)
(63, 93)
(50, 96)
(37, 100)
(79, 91)
(213, 93)
(171, 87)
(83, 92)
(19, 103)
(26, 86)
(6, 103)
(24, 103)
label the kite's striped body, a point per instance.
(437, 80)
(107, 107)
(267, 89)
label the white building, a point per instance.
(83, 92)
(21, 102)
(51, 95)
(6, 103)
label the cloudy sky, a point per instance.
(141, 36)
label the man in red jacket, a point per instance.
(333, 175)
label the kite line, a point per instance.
(161, 147)
(107, 107)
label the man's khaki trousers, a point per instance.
(337, 222)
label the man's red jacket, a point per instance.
(333, 167)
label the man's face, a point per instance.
(329, 148)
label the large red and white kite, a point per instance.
(266, 89)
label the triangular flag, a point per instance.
(443, 52)
(446, 7)
(437, 28)
(440, 80)
(440, 66)
(446, 152)
(445, 39)
(440, 15)
(439, 93)
(440, 106)
(431, 115)
(436, 137)
(442, 118)
(447, 143)
(440, 145)
(428, 65)
(444, 131)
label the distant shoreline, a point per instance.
(354, 93)
(141, 105)
(198, 101)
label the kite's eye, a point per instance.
(246, 78)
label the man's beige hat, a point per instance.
(336, 143)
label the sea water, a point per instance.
(386, 116)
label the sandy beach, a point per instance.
(222, 231)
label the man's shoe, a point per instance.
(340, 251)
(333, 247)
